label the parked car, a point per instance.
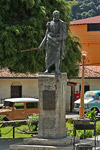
(91, 101)
(19, 108)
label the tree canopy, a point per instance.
(84, 8)
(23, 25)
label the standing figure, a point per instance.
(77, 95)
(54, 40)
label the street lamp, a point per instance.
(81, 110)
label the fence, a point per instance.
(13, 124)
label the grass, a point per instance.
(5, 130)
(69, 125)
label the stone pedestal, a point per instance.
(52, 96)
(46, 144)
(52, 123)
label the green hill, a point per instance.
(84, 8)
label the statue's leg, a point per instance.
(47, 69)
(57, 70)
(57, 63)
(50, 69)
(46, 60)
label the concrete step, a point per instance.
(46, 144)
(58, 144)
(39, 147)
(45, 147)
(51, 142)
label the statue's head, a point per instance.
(56, 14)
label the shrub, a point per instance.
(32, 122)
(79, 133)
(91, 115)
(70, 120)
(86, 134)
(98, 131)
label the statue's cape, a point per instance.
(63, 33)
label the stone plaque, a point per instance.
(48, 100)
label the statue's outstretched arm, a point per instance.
(42, 43)
(44, 40)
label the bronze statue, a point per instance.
(55, 38)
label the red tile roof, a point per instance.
(5, 73)
(90, 72)
(86, 21)
(73, 82)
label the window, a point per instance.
(8, 104)
(19, 105)
(98, 96)
(86, 88)
(16, 91)
(31, 105)
(93, 27)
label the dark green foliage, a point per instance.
(23, 25)
(72, 55)
(85, 8)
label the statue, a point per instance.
(55, 38)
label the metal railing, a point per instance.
(14, 124)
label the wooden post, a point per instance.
(81, 110)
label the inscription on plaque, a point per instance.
(48, 100)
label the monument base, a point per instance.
(52, 105)
(46, 144)
(52, 123)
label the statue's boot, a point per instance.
(57, 66)
(47, 71)
(57, 70)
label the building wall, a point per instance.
(90, 41)
(29, 87)
(93, 83)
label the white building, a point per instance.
(17, 84)
(26, 85)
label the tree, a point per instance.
(81, 8)
(22, 26)
(71, 56)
